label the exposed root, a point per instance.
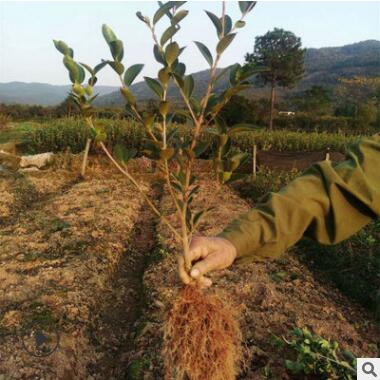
(202, 338)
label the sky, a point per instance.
(27, 29)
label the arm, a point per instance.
(328, 203)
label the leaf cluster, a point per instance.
(319, 356)
(165, 144)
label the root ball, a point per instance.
(202, 338)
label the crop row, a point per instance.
(61, 134)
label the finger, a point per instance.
(186, 279)
(204, 266)
(197, 249)
(204, 282)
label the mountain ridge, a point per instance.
(323, 66)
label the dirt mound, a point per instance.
(58, 257)
(272, 298)
(72, 257)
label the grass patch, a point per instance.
(18, 132)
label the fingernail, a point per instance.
(195, 273)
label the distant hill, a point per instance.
(322, 67)
(39, 93)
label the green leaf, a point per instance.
(195, 104)
(216, 21)
(181, 50)
(221, 125)
(142, 18)
(168, 13)
(180, 15)
(236, 160)
(82, 73)
(117, 50)
(238, 128)
(224, 43)
(99, 66)
(108, 34)
(100, 135)
(201, 147)
(180, 69)
(164, 108)
(188, 86)
(246, 6)
(205, 52)
(155, 86)
(168, 34)
(239, 24)
(73, 69)
(171, 53)
(128, 96)
(213, 101)
(163, 76)
(63, 48)
(165, 8)
(158, 55)
(92, 81)
(227, 24)
(178, 79)
(198, 217)
(131, 73)
(89, 90)
(235, 177)
(348, 355)
(117, 66)
(88, 68)
(294, 367)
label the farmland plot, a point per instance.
(89, 260)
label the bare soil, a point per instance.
(90, 259)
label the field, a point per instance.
(88, 261)
(170, 224)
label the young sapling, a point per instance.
(194, 313)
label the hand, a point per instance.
(208, 253)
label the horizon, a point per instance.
(140, 80)
(23, 38)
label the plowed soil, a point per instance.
(90, 260)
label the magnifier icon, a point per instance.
(369, 369)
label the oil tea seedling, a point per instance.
(207, 318)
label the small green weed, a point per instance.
(313, 355)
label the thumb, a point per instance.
(204, 266)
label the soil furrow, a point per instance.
(114, 328)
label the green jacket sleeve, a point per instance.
(328, 203)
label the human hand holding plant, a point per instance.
(206, 254)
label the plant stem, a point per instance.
(146, 198)
(85, 157)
